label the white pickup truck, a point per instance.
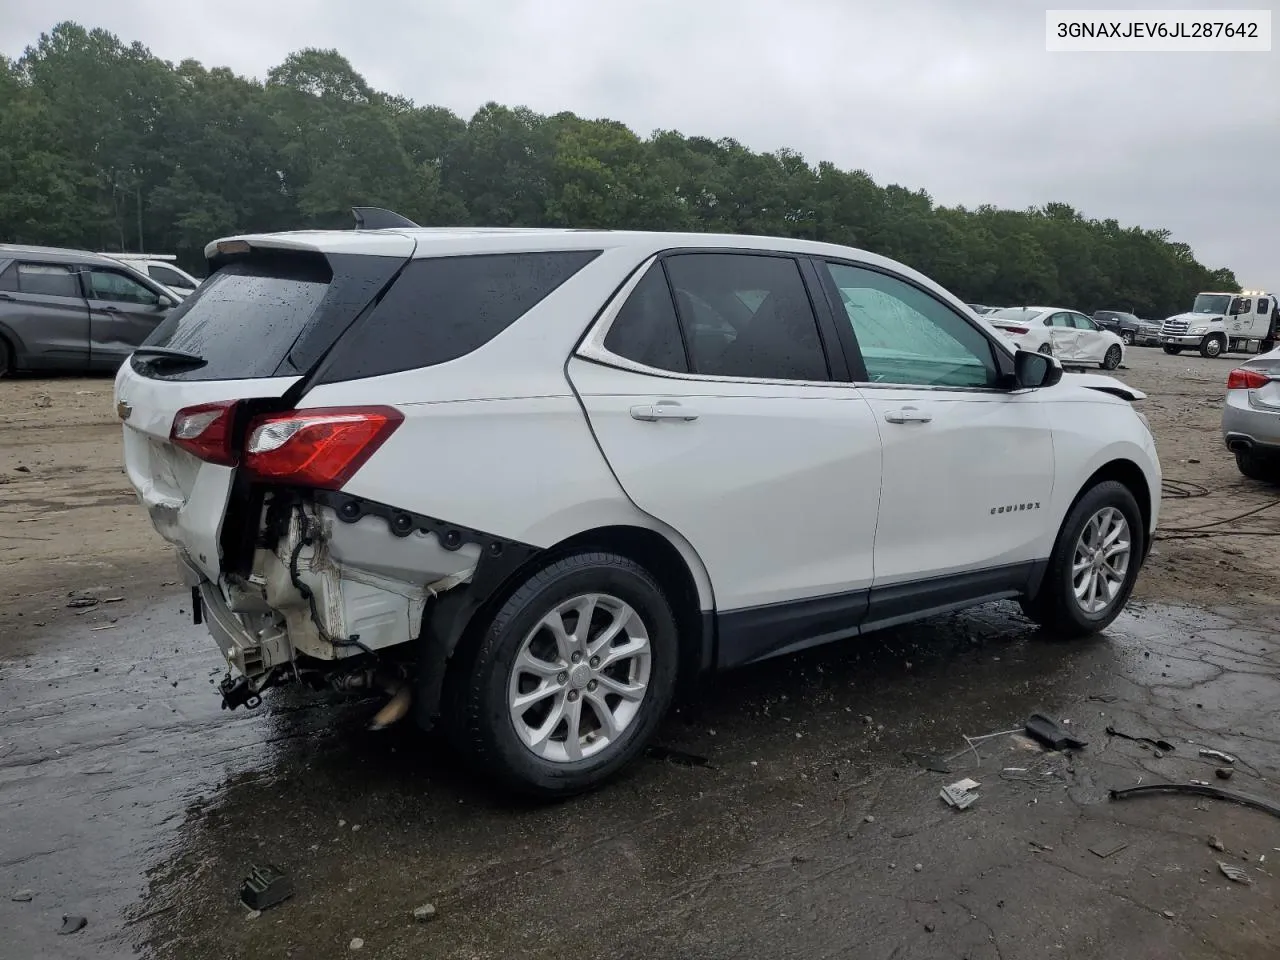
(1218, 323)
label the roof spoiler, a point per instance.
(376, 218)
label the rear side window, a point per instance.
(747, 315)
(42, 279)
(646, 329)
(245, 318)
(443, 308)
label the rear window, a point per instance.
(443, 308)
(245, 318)
(44, 279)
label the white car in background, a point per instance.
(1066, 334)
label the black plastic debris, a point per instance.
(1048, 732)
(265, 887)
(72, 924)
(1164, 745)
(1105, 850)
(1201, 790)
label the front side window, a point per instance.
(170, 278)
(646, 329)
(747, 315)
(1243, 305)
(118, 288)
(1083, 322)
(906, 336)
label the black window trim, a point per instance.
(591, 347)
(1001, 356)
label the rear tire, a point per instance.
(1127, 337)
(1212, 346)
(1258, 468)
(538, 751)
(1111, 359)
(1172, 351)
(1063, 605)
(6, 358)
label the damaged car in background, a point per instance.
(528, 483)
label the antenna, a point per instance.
(376, 218)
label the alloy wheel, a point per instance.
(1101, 560)
(579, 678)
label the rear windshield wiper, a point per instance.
(166, 356)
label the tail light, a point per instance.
(1016, 331)
(205, 431)
(320, 448)
(1245, 379)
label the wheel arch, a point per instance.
(1129, 474)
(452, 624)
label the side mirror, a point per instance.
(1032, 370)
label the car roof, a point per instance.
(60, 254)
(450, 241)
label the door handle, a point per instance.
(111, 309)
(907, 415)
(663, 410)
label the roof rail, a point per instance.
(376, 218)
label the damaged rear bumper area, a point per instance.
(339, 593)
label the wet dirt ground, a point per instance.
(786, 819)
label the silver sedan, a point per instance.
(1251, 417)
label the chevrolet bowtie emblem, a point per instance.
(123, 410)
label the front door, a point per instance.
(724, 423)
(122, 313)
(1091, 342)
(968, 466)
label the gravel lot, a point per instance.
(786, 819)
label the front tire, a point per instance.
(1172, 351)
(570, 679)
(1212, 346)
(1093, 565)
(1111, 359)
(1257, 468)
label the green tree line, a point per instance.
(105, 146)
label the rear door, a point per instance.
(254, 328)
(720, 416)
(1063, 336)
(123, 312)
(44, 313)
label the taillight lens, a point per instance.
(1016, 331)
(205, 431)
(320, 448)
(1244, 379)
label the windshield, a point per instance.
(1019, 314)
(1212, 303)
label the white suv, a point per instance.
(530, 479)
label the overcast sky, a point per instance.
(956, 96)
